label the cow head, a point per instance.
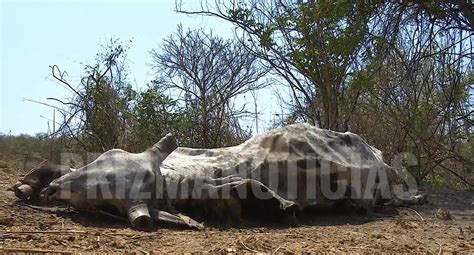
(119, 180)
(31, 185)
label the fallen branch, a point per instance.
(417, 213)
(279, 247)
(45, 209)
(48, 232)
(247, 248)
(111, 215)
(57, 209)
(28, 251)
(403, 219)
(144, 236)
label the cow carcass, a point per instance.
(283, 170)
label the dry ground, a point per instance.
(23, 228)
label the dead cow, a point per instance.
(290, 168)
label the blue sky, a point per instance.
(37, 34)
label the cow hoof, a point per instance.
(409, 200)
(415, 200)
(140, 217)
(420, 199)
(23, 191)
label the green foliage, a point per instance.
(105, 112)
(23, 144)
(154, 115)
(320, 39)
(25, 151)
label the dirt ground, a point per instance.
(424, 228)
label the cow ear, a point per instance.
(165, 146)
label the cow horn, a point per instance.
(140, 217)
(166, 145)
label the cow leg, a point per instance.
(139, 216)
(225, 180)
(234, 207)
(176, 219)
(216, 188)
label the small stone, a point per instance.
(377, 235)
(7, 221)
(230, 250)
(443, 214)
